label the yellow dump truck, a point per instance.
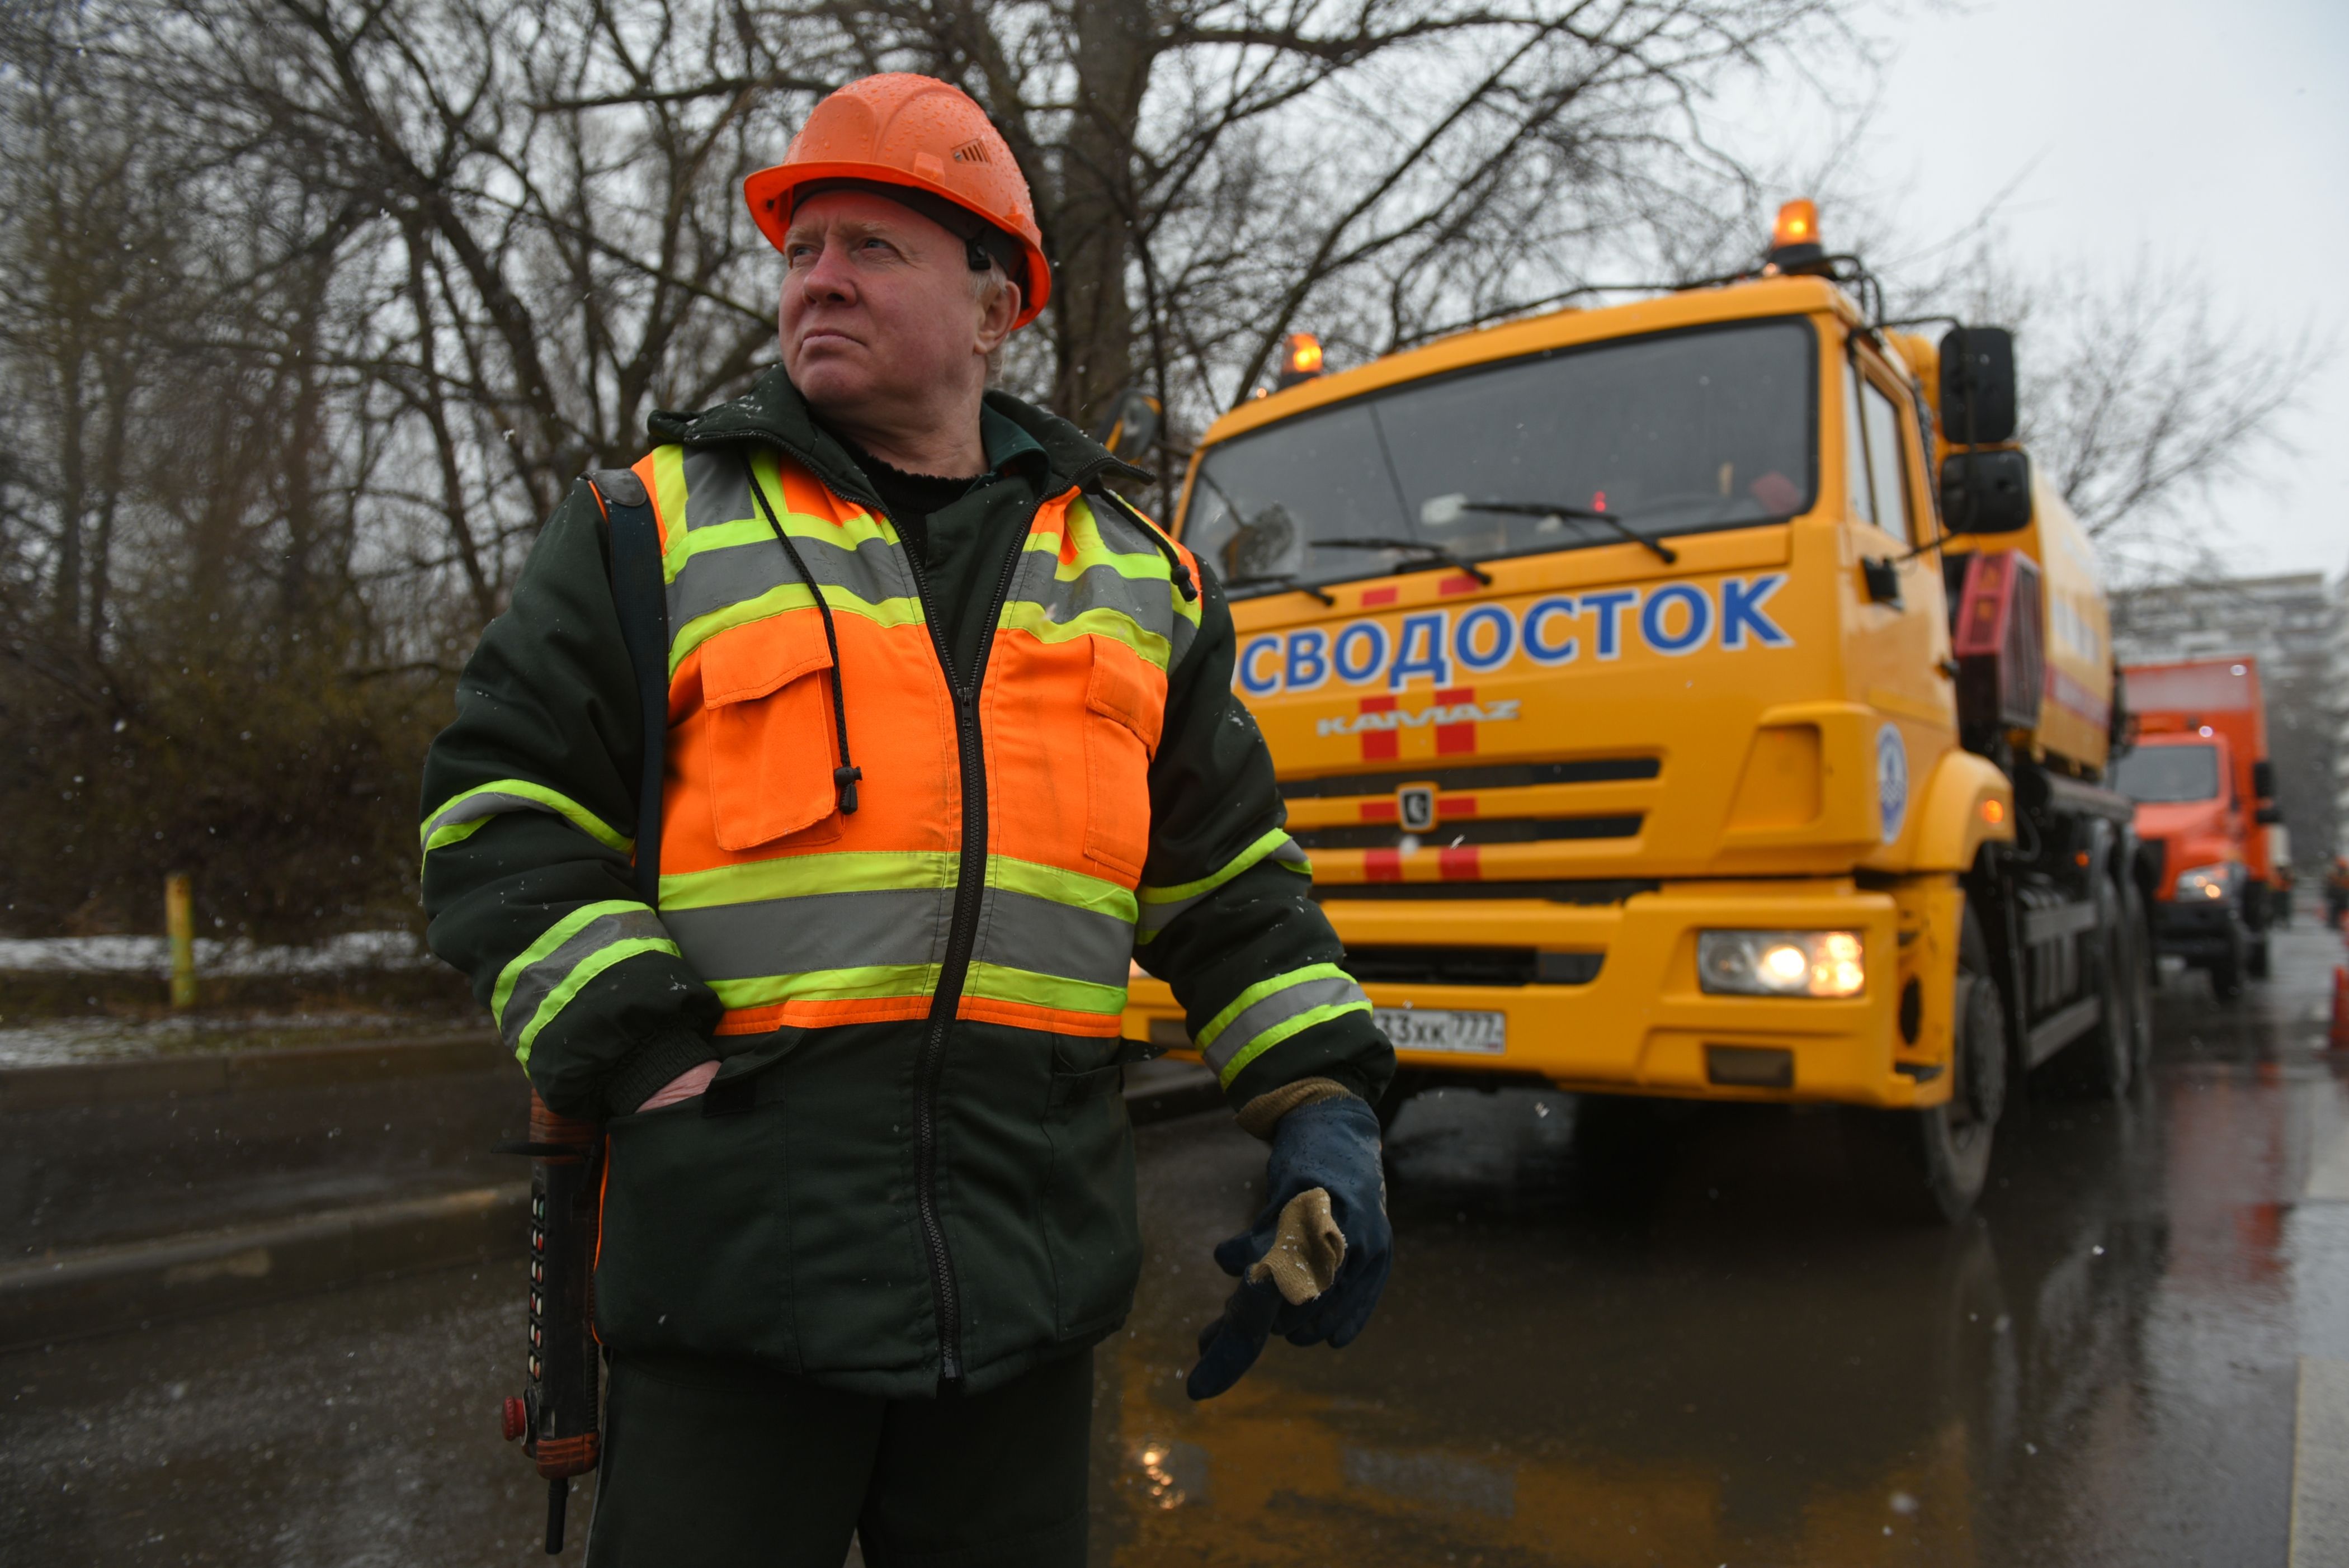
(1700, 697)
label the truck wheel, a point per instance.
(1931, 1165)
(2109, 1054)
(2227, 969)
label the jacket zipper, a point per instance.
(970, 889)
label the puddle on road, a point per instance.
(1685, 1339)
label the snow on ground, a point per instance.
(359, 950)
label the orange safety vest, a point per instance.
(797, 913)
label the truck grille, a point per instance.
(1496, 776)
(1579, 890)
(1473, 830)
(1471, 966)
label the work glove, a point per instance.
(1311, 1267)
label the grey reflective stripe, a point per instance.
(713, 579)
(536, 983)
(1148, 602)
(1019, 931)
(717, 489)
(815, 931)
(1277, 1009)
(1157, 917)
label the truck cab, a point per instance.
(1605, 661)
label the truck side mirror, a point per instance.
(1978, 399)
(1986, 493)
(2263, 778)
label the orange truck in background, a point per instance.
(2205, 812)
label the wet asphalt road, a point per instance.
(1609, 1340)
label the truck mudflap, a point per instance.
(1641, 1022)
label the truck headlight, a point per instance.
(2206, 884)
(1780, 962)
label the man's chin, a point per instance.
(827, 381)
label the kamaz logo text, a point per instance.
(1418, 717)
(1674, 619)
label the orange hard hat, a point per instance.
(922, 136)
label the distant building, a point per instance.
(2298, 629)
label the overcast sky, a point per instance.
(2215, 135)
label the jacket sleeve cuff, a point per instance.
(642, 1073)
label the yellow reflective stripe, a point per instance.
(999, 984)
(1075, 888)
(668, 495)
(594, 963)
(905, 611)
(1160, 905)
(1282, 1031)
(792, 876)
(713, 536)
(553, 937)
(483, 801)
(1026, 616)
(830, 984)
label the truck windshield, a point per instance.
(2166, 773)
(1678, 433)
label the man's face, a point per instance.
(880, 309)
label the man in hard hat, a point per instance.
(950, 739)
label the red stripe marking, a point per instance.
(1378, 810)
(1462, 583)
(1456, 805)
(1381, 595)
(1383, 865)
(1460, 864)
(1380, 744)
(1452, 739)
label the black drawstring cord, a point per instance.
(1182, 573)
(844, 776)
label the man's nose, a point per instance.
(828, 277)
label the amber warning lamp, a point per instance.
(1795, 238)
(1301, 359)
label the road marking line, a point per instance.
(2319, 1465)
(2328, 1180)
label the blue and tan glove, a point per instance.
(1312, 1266)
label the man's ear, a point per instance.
(995, 318)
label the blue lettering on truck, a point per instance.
(1558, 629)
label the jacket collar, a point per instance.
(772, 411)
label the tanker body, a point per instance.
(1607, 662)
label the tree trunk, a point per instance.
(1115, 47)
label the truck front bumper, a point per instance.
(1643, 1025)
(2199, 934)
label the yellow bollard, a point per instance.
(179, 920)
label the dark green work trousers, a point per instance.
(715, 1463)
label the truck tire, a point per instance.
(2109, 1056)
(2227, 970)
(1931, 1165)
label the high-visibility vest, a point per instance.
(798, 913)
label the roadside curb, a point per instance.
(104, 1290)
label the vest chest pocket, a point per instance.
(767, 690)
(1125, 708)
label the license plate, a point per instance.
(1440, 1029)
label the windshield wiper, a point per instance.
(1419, 547)
(1444, 508)
(1282, 580)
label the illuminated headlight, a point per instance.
(2211, 884)
(1780, 962)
